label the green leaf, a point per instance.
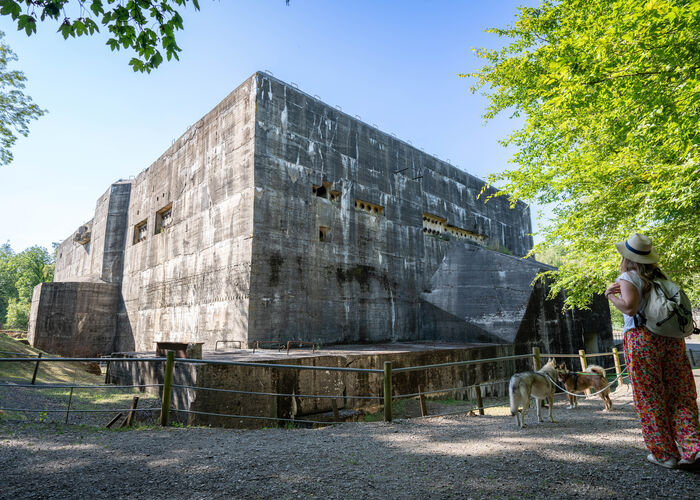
(609, 91)
(8, 7)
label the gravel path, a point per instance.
(586, 453)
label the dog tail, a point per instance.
(599, 370)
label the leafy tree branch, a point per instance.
(16, 108)
(608, 90)
(145, 26)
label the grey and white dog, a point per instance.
(532, 384)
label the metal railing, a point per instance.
(387, 395)
(239, 342)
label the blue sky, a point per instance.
(393, 63)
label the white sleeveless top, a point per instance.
(633, 278)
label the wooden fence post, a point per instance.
(334, 406)
(584, 365)
(114, 420)
(618, 369)
(70, 399)
(387, 391)
(538, 359)
(421, 399)
(36, 369)
(130, 416)
(167, 389)
(479, 400)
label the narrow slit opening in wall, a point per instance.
(319, 191)
(368, 207)
(164, 218)
(323, 233)
(140, 231)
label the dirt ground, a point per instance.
(586, 453)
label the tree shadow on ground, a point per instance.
(586, 452)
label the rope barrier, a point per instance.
(594, 355)
(194, 387)
(592, 394)
(66, 386)
(462, 363)
(283, 366)
(451, 389)
(63, 410)
(297, 421)
(435, 391)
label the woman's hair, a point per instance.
(648, 272)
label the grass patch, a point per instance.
(42, 399)
(49, 372)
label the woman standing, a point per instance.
(659, 371)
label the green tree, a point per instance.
(18, 314)
(8, 278)
(610, 95)
(35, 265)
(19, 274)
(144, 26)
(16, 108)
(552, 255)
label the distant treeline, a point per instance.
(19, 274)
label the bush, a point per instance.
(18, 314)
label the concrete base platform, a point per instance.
(268, 353)
(291, 394)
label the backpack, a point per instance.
(667, 311)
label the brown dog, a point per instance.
(592, 378)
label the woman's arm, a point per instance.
(624, 296)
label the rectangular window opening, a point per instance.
(323, 233)
(164, 218)
(140, 231)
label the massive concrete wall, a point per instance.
(349, 387)
(277, 217)
(74, 318)
(340, 253)
(94, 252)
(189, 282)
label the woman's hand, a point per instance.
(613, 289)
(624, 296)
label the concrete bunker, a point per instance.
(232, 217)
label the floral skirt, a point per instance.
(664, 394)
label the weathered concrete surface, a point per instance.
(95, 251)
(278, 217)
(362, 281)
(546, 326)
(115, 232)
(345, 385)
(485, 288)
(495, 292)
(74, 319)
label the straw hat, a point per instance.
(638, 248)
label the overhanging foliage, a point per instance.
(610, 95)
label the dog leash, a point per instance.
(592, 394)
